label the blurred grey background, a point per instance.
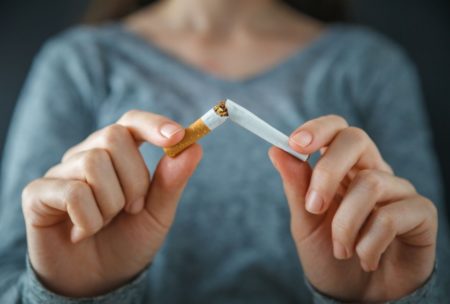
(421, 27)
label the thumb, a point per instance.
(169, 180)
(296, 176)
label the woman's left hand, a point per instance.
(362, 233)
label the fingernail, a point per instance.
(76, 234)
(339, 250)
(168, 130)
(136, 206)
(314, 202)
(302, 138)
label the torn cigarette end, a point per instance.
(221, 109)
(202, 126)
(227, 109)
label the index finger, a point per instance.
(134, 127)
(316, 133)
(153, 128)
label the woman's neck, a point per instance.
(231, 39)
(222, 16)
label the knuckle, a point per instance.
(357, 134)
(337, 119)
(67, 154)
(28, 197)
(407, 184)
(384, 220)
(28, 192)
(51, 171)
(114, 208)
(94, 159)
(129, 115)
(114, 135)
(76, 192)
(370, 180)
(431, 208)
(323, 171)
(342, 229)
(386, 167)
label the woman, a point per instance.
(101, 226)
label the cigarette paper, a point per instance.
(259, 127)
(202, 126)
(239, 115)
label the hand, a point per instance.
(362, 233)
(97, 219)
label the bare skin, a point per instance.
(231, 40)
(362, 234)
(358, 227)
(102, 210)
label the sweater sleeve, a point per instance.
(35, 292)
(56, 110)
(420, 295)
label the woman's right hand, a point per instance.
(97, 219)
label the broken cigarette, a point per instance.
(239, 115)
(259, 127)
(202, 126)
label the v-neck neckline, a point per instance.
(298, 55)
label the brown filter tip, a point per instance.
(192, 134)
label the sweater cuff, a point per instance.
(35, 292)
(423, 294)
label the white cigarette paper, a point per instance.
(259, 127)
(239, 115)
(212, 120)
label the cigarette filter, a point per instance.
(202, 126)
(239, 115)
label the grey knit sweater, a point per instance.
(88, 77)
